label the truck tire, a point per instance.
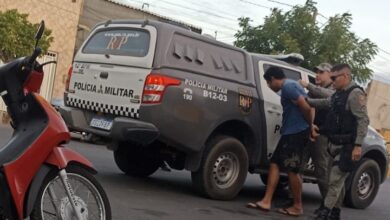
(364, 186)
(223, 169)
(137, 161)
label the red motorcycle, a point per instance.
(39, 177)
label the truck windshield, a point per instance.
(121, 42)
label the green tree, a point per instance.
(299, 31)
(17, 36)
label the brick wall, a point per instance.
(378, 104)
(62, 17)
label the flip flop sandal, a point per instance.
(285, 211)
(252, 205)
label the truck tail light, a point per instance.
(68, 79)
(155, 86)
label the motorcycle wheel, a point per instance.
(53, 202)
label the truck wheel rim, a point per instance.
(225, 171)
(365, 185)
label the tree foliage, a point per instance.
(17, 36)
(299, 31)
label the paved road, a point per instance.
(169, 195)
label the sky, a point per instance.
(371, 19)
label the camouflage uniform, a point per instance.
(319, 149)
(356, 103)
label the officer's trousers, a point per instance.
(336, 186)
(322, 162)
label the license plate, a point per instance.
(101, 123)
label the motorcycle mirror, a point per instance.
(39, 33)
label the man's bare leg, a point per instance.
(272, 182)
(296, 189)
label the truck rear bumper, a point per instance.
(123, 129)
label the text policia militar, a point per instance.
(123, 92)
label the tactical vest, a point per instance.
(320, 116)
(341, 124)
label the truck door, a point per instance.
(272, 106)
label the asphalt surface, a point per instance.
(169, 195)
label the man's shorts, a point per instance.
(289, 153)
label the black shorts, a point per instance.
(289, 153)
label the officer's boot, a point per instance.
(323, 214)
(334, 214)
(319, 208)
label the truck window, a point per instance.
(312, 79)
(121, 42)
(290, 74)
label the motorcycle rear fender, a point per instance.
(60, 158)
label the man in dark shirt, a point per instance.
(288, 155)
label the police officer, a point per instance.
(319, 149)
(346, 126)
